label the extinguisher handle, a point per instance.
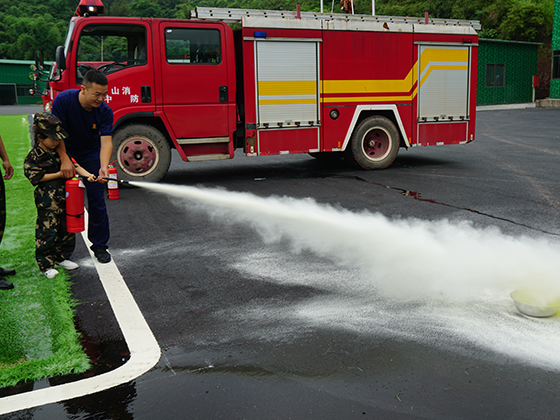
(83, 178)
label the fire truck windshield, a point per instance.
(110, 48)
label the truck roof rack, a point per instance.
(235, 15)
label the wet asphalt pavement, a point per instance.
(253, 329)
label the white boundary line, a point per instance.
(144, 349)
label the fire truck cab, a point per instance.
(286, 82)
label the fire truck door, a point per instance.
(195, 80)
(287, 82)
(287, 88)
(444, 82)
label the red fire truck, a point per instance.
(330, 85)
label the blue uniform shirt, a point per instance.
(84, 128)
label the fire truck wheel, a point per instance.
(375, 143)
(142, 153)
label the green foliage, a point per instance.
(527, 20)
(26, 25)
(117, 8)
(145, 8)
(114, 48)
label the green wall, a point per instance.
(555, 83)
(17, 71)
(520, 65)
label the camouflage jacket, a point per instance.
(49, 195)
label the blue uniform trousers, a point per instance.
(98, 224)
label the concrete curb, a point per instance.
(505, 106)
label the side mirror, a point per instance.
(39, 63)
(60, 58)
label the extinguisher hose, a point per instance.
(120, 181)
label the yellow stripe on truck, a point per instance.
(287, 87)
(432, 59)
(442, 67)
(443, 55)
(371, 86)
(287, 101)
(368, 99)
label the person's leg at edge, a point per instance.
(4, 284)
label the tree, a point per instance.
(525, 20)
(25, 24)
(145, 8)
(119, 8)
(22, 36)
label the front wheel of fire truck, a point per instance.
(374, 144)
(142, 153)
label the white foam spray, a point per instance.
(442, 282)
(404, 258)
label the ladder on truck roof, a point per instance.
(235, 15)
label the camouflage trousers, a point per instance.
(53, 243)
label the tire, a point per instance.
(374, 144)
(142, 153)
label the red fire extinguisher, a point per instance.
(113, 186)
(75, 205)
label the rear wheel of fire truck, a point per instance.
(374, 144)
(142, 153)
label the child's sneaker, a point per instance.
(51, 273)
(67, 265)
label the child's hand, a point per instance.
(92, 178)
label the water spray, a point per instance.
(404, 259)
(442, 284)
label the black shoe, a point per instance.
(5, 284)
(102, 255)
(7, 272)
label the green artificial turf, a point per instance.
(37, 334)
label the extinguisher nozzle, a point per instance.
(120, 181)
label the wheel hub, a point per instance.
(138, 156)
(376, 144)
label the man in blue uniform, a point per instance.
(88, 120)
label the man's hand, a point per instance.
(67, 168)
(105, 157)
(103, 173)
(8, 170)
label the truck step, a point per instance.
(216, 156)
(205, 140)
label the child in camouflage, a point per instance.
(53, 243)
